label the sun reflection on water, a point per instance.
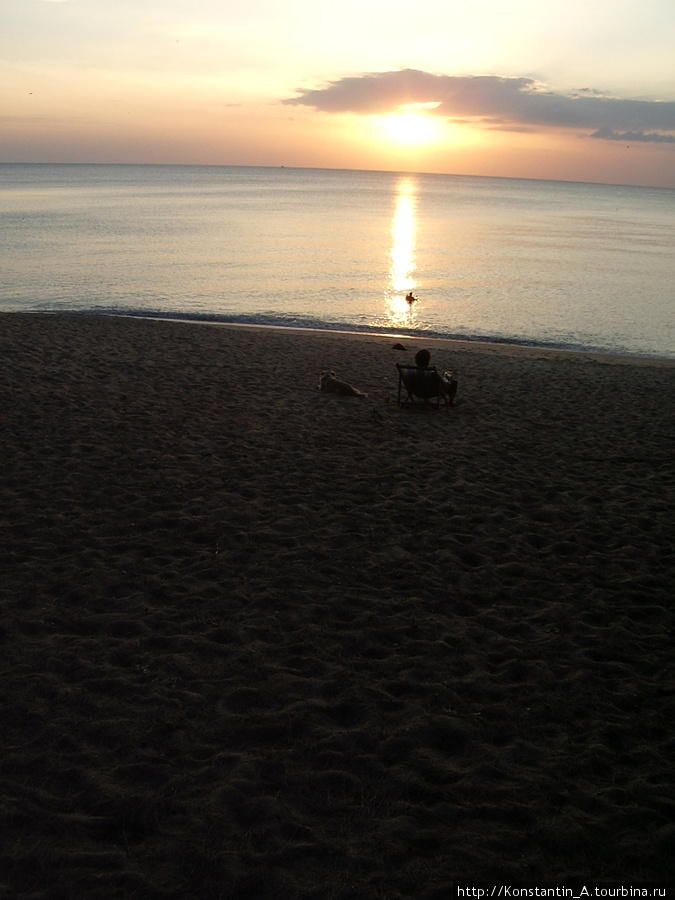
(403, 266)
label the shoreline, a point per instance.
(505, 346)
(261, 641)
(477, 344)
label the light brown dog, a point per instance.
(332, 385)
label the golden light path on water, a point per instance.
(403, 266)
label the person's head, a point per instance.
(422, 358)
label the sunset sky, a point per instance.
(560, 89)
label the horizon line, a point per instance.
(343, 169)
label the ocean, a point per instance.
(554, 264)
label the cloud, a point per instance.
(508, 103)
(606, 134)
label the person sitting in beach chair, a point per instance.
(425, 382)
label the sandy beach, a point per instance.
(264, 642)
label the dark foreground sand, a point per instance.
(261, 642)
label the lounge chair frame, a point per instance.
(425, 384)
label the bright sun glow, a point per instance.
(411, 126)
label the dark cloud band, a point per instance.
(499, 102)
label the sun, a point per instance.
(411, 125)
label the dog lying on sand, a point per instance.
(332, 385)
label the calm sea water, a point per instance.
(544, 263)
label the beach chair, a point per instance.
(425, 384)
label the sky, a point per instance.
(571, 90)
